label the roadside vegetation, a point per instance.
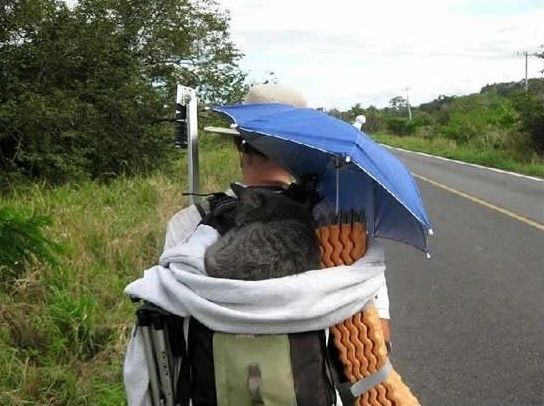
(502, 126)
(440, 146)
(75, 106)
(64, 320)
(89, 175)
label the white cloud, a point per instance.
(342, 52)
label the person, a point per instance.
(179, 285)
(259, 171)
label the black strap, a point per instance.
(179, 348)
(203, 209)
(336, 369)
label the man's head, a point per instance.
(257, 168)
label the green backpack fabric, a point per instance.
(246, 370)
(253, 370)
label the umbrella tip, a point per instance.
(233, 126)
(428, 256)
(348, 159)
(431, 232)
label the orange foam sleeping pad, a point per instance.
(359, 339)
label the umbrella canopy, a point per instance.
(354, 172)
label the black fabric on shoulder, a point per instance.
(203, 391)
(336, 368)
(310, 373)
(176, 338)
(221, 212)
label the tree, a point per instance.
(82, 90)
(398, 104)
(540, 55)
(353, 112)
(185, 41)
(531, 113)
(334, 112)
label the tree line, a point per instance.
(501, 116)
(83, 88)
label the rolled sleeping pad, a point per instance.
(359, 340)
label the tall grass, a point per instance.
(492, 157)
(64, 327)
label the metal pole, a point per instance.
(144, 323)
(151, 366)
(187, 97)
(526, 69)
(408, 104)
(158, 335)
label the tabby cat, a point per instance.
(273, 236)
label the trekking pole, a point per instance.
(144, 323)
(158, 333)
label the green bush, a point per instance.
(472, 118)
(21, 241)
(502, 120)
(400, 125)
(531, 113)
(83, 88)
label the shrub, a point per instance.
(472, 117)
(400, 125)
(22, 240)
(531, 115)
(83, 88)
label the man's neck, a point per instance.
(268, 181)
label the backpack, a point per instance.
(244, 369)
(189, 363)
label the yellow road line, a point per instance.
(508, 213)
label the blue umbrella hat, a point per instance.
(354, 172)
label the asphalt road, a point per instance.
(468, 324)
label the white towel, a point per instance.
(312, 300)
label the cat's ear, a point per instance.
(252, 198)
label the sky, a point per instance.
(342, 52)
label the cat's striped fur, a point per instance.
(273, 237)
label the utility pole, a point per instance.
(408, 105)
(526, 54)
(526, 69)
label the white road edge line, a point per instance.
(506, 212)
(519, 175)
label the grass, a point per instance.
(64, 327)
(495, 158)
